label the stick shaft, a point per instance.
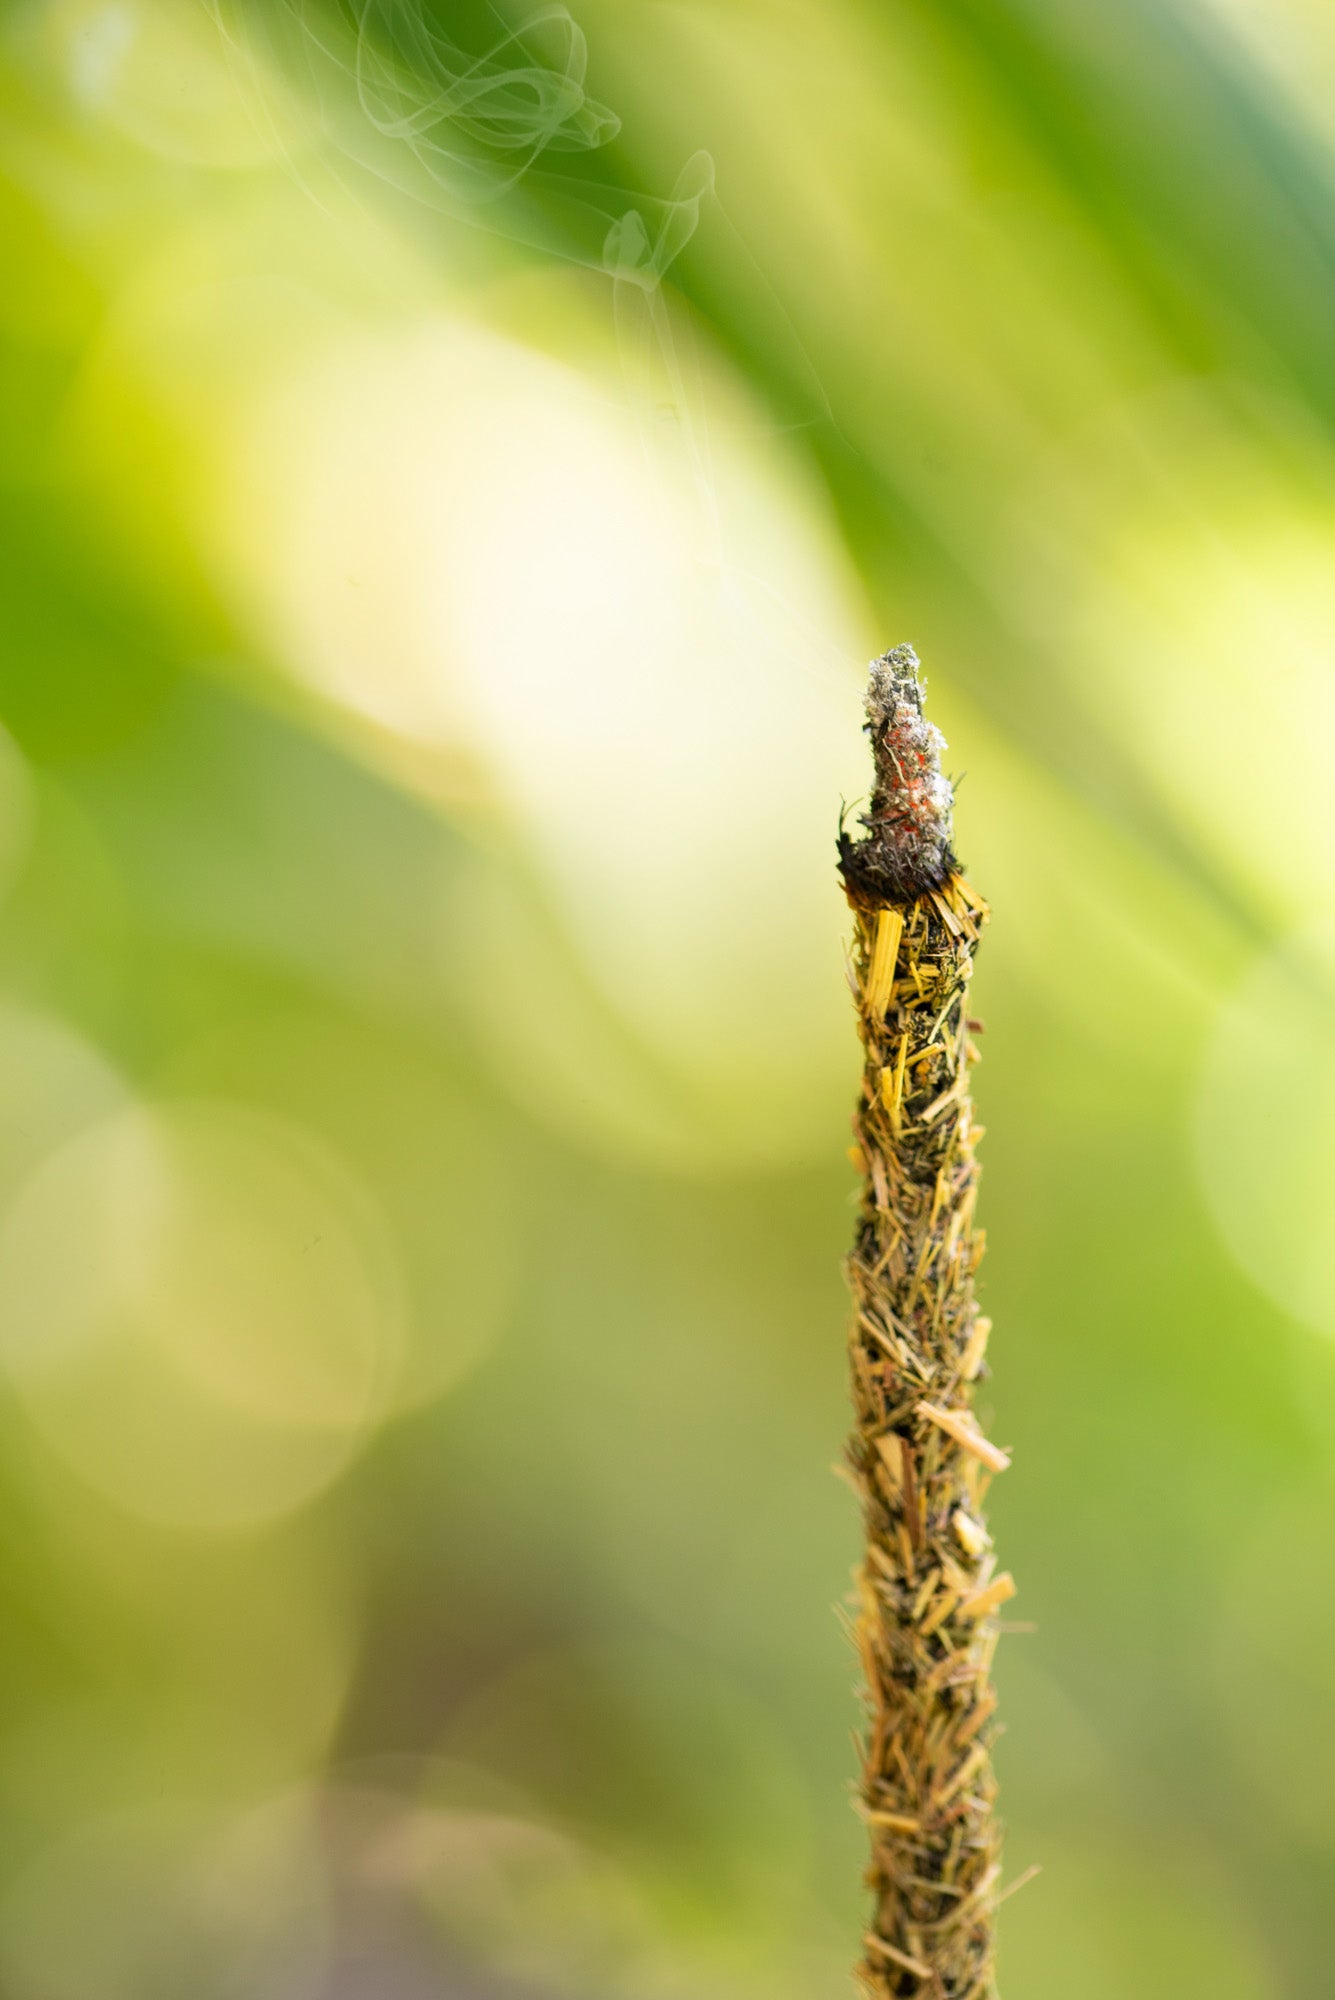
(928, 1588)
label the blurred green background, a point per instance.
(456, 466)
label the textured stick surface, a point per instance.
(928, 1588)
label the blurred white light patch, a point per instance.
(1295, 41)
(443, 1182)
(199, 1312)
(1236, 694)
(235, 1688)
(672, 1768)
(526, 1902)
(159, 1905)
(519, 1898)
(649, 638)
(558, 1045)
(52, 1083)
(1265, 1126)
(1181, 570)
(166, 75)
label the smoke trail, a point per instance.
(470, 135)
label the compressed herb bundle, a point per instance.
(929, 1594)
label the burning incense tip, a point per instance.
(908, 847)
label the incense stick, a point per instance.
(928, 1588)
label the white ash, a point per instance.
(908, 849)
